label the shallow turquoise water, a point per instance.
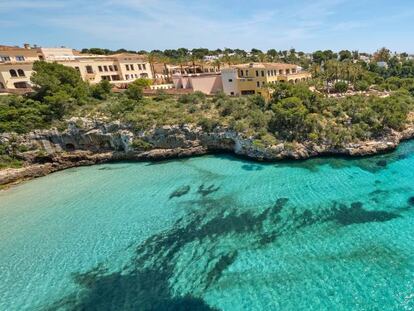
(213, 233)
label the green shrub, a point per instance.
(161, 95)
(340, 87)
(9, 162)
(141, 144)
(208, 125)
(134, 92)
(101, 90)
(361, 85)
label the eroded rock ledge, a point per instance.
(87, 142)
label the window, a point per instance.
(241, 73)
(21, 73)
(247, 73)
(132, 67)
(144, 67)
(263, 83)
(21, 85)
(77, 68)
(126, 77)
(116, 67)
(258, 84)
(100, 68)
(248, 92)
(257, 73)
(268, 72)
(263, 73)
(127, 67)
(231, 93)
(280, 71)
(20, 58)
(13, 73)
(111, 68)
(106, 68)
(89, 69)
(139, 67)
(5, 58)
(230, 80)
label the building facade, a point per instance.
(16, 66)
(207, 83)
(254, 78)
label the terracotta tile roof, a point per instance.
(7, 48)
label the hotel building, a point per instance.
(16, 65)
(254, 78)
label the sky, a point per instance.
(307, 25)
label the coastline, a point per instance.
(96, 143)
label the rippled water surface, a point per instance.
(213, 233)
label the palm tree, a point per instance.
(194, 59)
(262, 57)
(181, 61)
(152, 58)
(202, 63)
(227, 59)
(217, 63)
(165, 60)
(315, 70)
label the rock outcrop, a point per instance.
(88, 142)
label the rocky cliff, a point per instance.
(87, 142)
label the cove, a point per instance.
(213, 233)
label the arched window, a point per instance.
(13, 73)
(21, 73)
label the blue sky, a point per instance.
(307, 25)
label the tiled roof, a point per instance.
(7, 48)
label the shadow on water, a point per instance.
(252, 167)
(179, 192)
(219, 229)
(206, 190)
(111, 168)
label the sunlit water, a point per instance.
(213, 233)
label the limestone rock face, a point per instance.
(87, 142)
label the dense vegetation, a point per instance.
(293, 114)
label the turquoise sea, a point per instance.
(213, 233)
